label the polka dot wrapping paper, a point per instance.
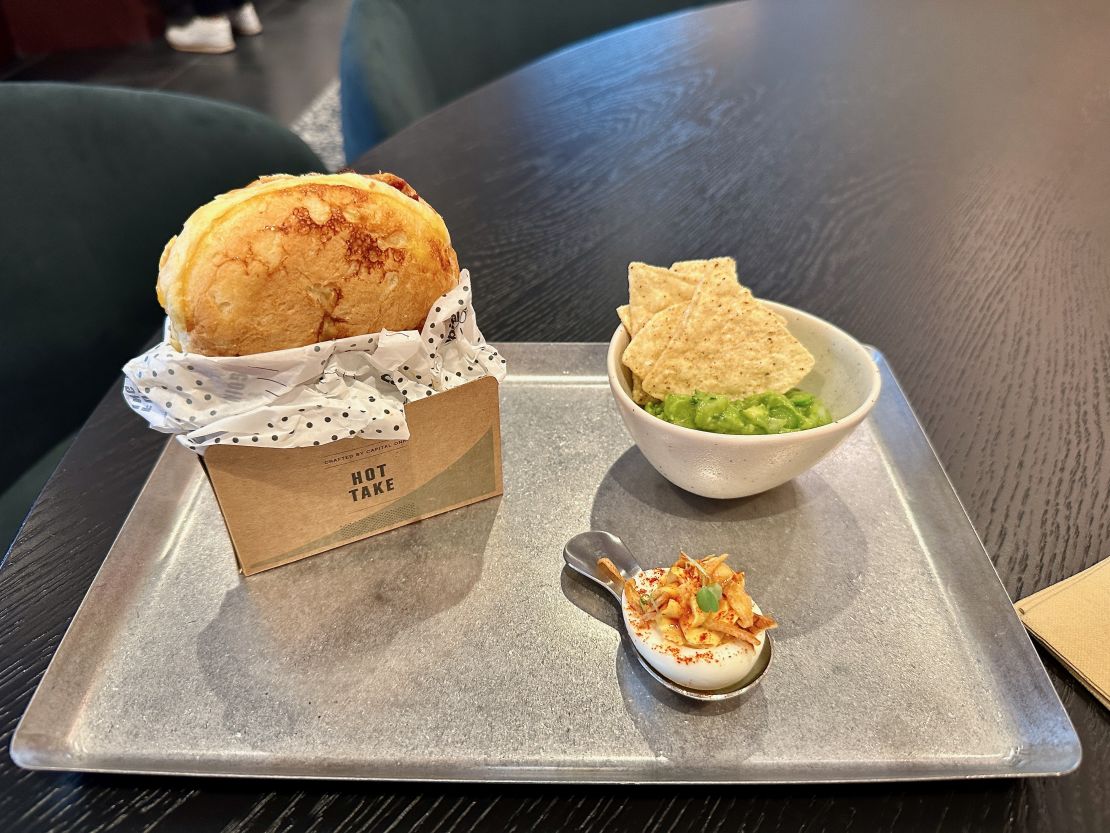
(312, 395)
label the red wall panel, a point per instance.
(37, 27)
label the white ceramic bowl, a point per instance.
(844, 377)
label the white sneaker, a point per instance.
(202, 34)
(244, 20)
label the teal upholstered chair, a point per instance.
(401, 59)
(94, 182)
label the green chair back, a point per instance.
(401, 59)
(95, 181)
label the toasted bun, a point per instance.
(289, 260)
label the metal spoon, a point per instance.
(581, 554)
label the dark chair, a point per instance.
(401, 59)
(94, 182)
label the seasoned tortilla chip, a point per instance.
(728, 343)
(652, 289)
(648, 344)
(638, 395)
(626, 319)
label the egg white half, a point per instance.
(704, 669)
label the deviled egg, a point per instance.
(694, 622)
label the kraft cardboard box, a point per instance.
(284, 504)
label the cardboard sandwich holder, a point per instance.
(285, 504)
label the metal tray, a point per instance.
(458, 649)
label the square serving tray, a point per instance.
(459, 649)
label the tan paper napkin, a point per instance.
(1072, 620)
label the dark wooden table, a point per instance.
(933, 177)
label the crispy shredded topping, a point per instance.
(608, 568)
(698, 603)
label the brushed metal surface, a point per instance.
(459, 648)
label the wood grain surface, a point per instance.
(935, 178)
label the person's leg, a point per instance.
(212, 8)
(178, 12)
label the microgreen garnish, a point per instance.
(709, 598)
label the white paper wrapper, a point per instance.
(315, 394)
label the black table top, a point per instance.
(932, 177)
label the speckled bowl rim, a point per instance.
(619, 385)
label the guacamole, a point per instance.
(761, 413)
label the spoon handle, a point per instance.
(582, 552)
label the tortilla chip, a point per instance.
(699, 268)
(638, 395)
(626, 319)
(728, 343)
(648, 344)
(652, 289)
